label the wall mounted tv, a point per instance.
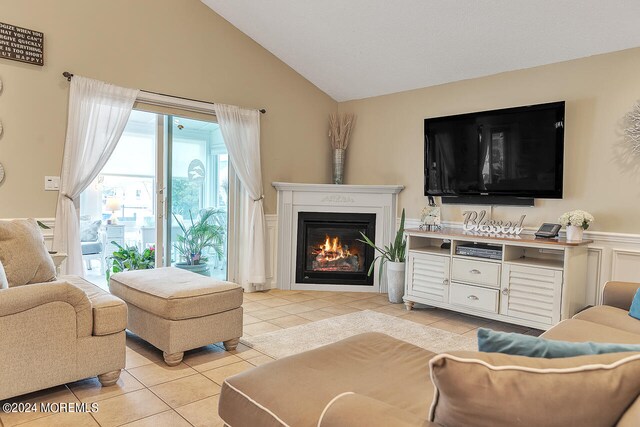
(508, 156)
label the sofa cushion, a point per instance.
(634, 310)
(525, 345)
(3, 278)
(492, 389)
(295, 390)
(89, 230)
(354, 410)
(610, 316)
(175, 294)
(23, 253)
(578, 330)
(91, 248)
(109, 312)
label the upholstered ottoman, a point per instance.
(176, 310)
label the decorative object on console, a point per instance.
(475, 221)
(430, 216)
(576, 222)
(113, 205)
(394, 256)
(340, 127)
(632, 128)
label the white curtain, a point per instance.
(241, 132)
(98, 114)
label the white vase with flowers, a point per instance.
(576, 222)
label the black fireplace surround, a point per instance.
(328, 250)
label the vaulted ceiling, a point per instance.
(355, 49)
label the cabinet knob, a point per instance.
(445, 282)
(505, 291)
(475, 271)
(472, 298)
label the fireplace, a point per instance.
(329, 250)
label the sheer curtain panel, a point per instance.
(98, 114)
(241, 133)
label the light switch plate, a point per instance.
(51, 183)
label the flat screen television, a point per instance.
(510, 153)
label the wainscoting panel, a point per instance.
(625, 265)
(272, 249)
(612, 256)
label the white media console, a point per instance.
(536, 283)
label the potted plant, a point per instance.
(130, 258)
(393, 257)
(576, 222)
(207, 231)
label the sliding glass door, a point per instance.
(198, 193)
(164, 193)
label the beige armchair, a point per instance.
(57, 332)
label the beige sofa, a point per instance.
(57, 332)
(375, 380)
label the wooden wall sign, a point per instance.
(21, 44)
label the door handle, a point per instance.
(473, 298)
(445, 282)
(505, 291)
(475, 271)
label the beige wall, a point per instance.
(600, 176)
(178, 47)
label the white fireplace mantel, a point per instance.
(293, 198)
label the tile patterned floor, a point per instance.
(149, 393)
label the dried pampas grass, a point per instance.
(340, 127)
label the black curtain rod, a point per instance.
(69, 75)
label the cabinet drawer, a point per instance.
(113, 232)
(474, 297)
(472, 271)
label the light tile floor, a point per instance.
(149, 393)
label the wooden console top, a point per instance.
(458, 234)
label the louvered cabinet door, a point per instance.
(429, 276)
(531, 293)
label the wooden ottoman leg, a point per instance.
(173, 359)
(109, 378)
(231, 344)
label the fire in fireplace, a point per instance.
(332, 255)
(329, 250)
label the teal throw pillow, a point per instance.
(524, 345)
(635, 306)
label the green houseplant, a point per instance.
(130, 258)
(393, 256)
(207, 231)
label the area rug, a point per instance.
(289, 341)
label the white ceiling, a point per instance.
(355, 49)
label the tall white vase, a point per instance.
(574, 233)
(395, 281)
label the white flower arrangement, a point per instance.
(430, 215)
(576, 218)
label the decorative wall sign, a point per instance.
(475, 221)
(21, 44)
(632, 128)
